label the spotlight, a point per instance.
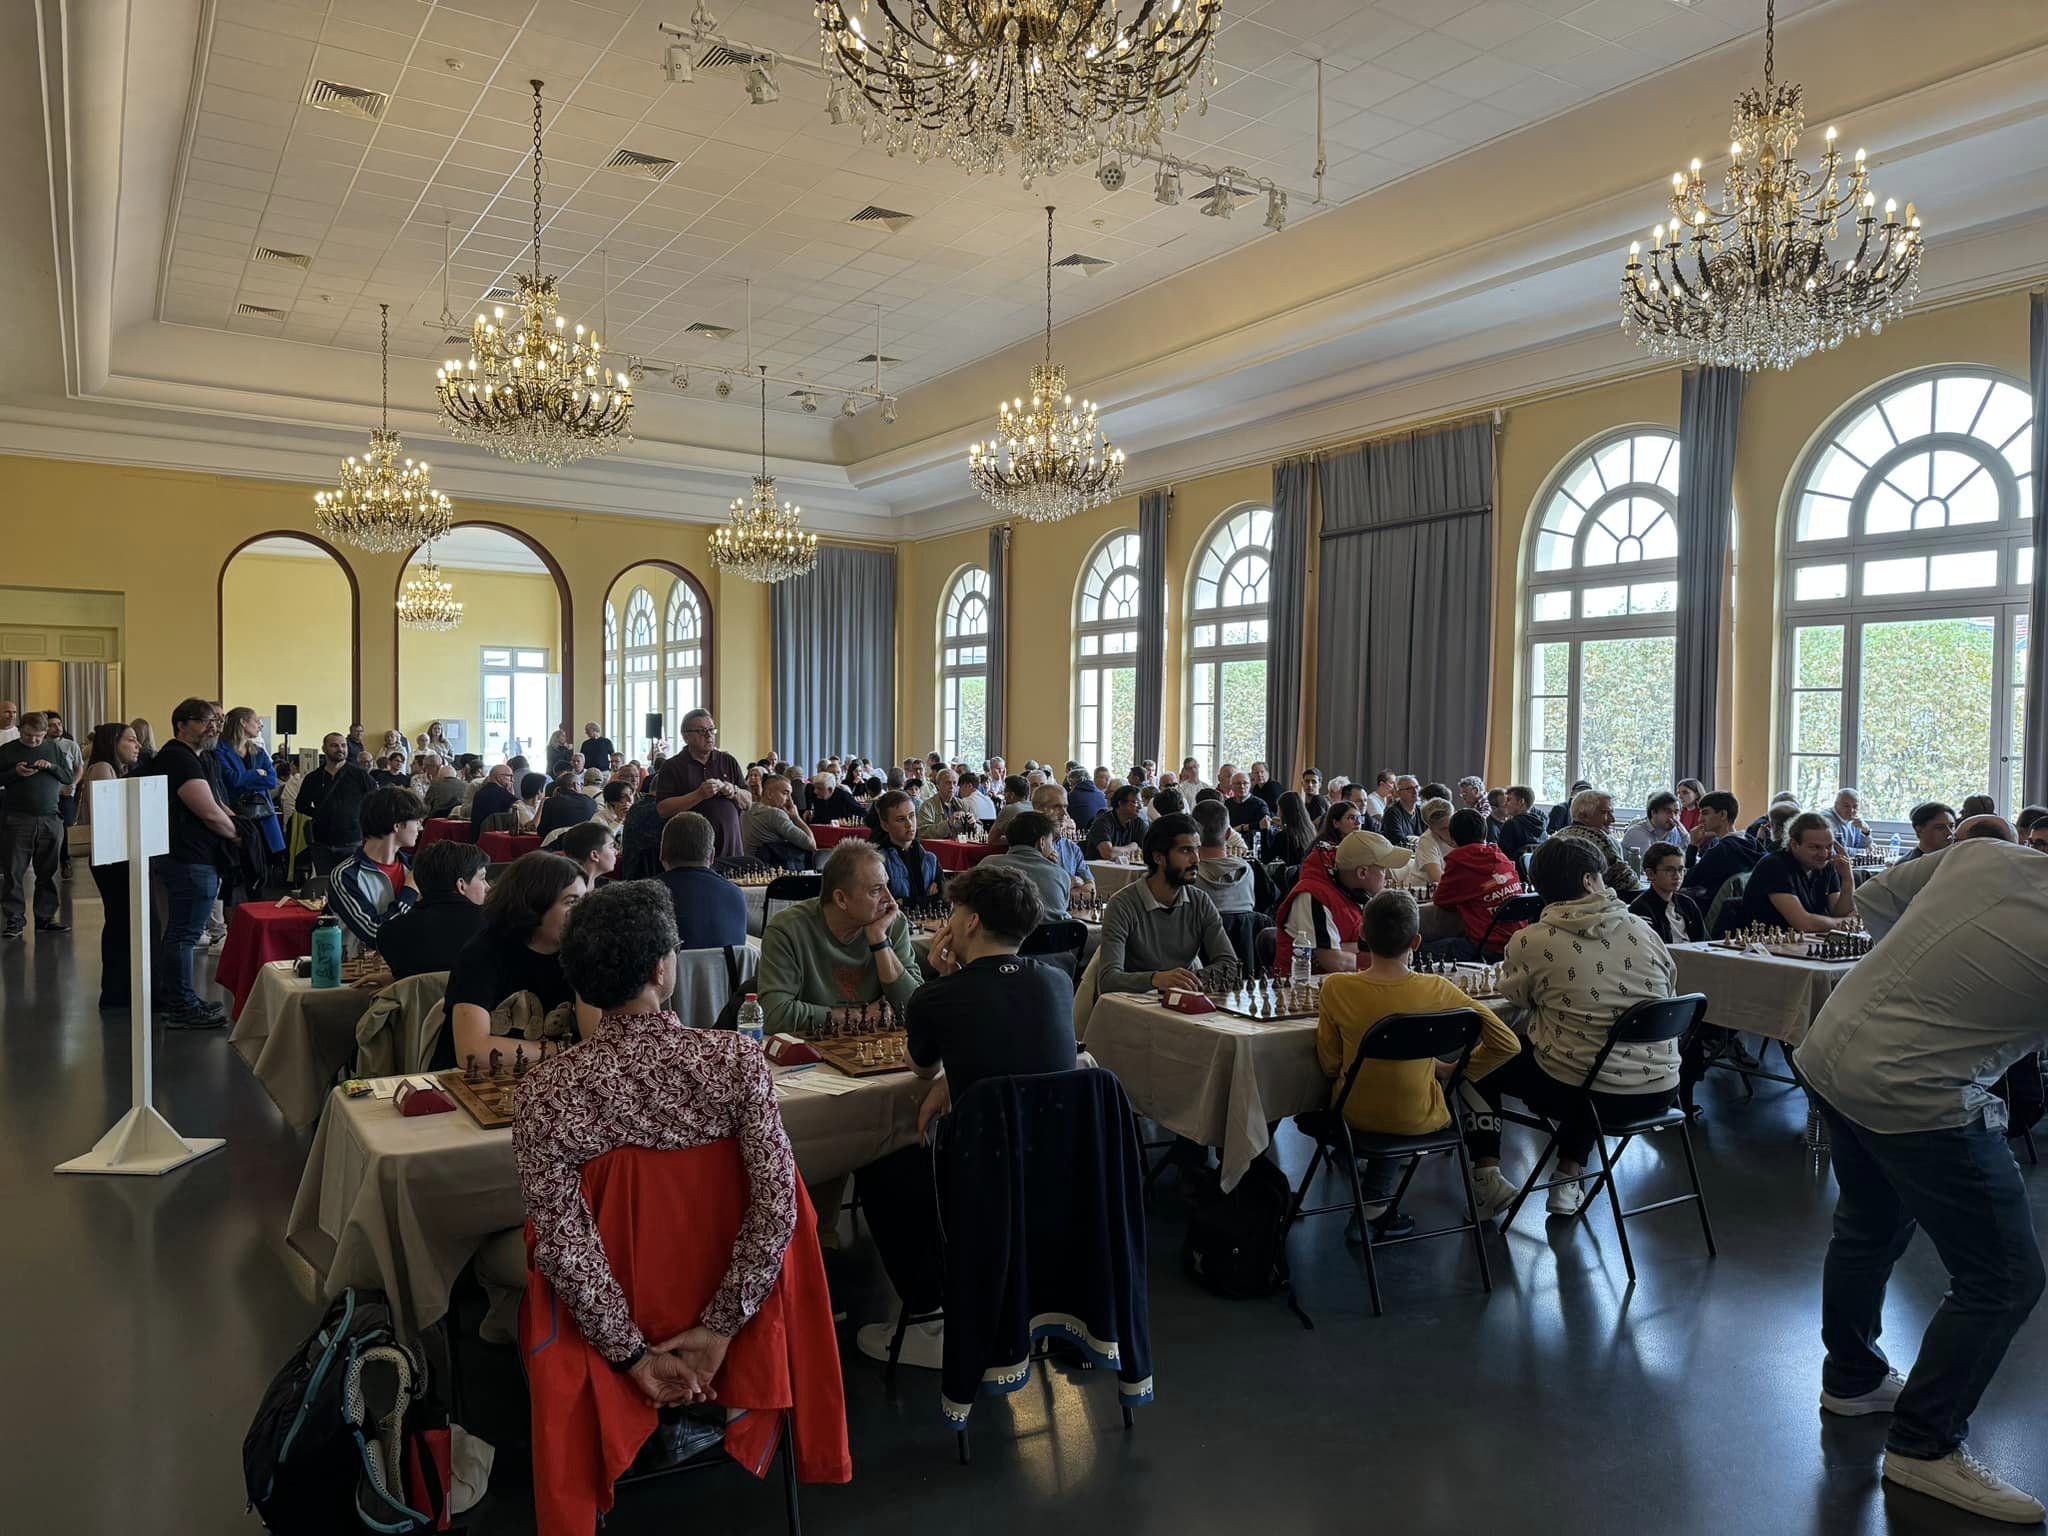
(677, 64)
(1222, 201)
(888, 411)
(723, 389)
(810, 405)
(680, 379)
(1276, 210)
(1166, 187)
(1111, 174)
(848, 406)
(761, 86)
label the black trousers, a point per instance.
(902, 1207)
(1563, 1103)
(112, 882)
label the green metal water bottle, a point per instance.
(327, 952)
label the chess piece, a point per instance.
(519, 1061)
(471, 1072)
(497, 1063)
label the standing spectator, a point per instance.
(598, 750)
(202, 840)
(333, 797)
(10, 721)
(145, 744)
(248, 778)
(703, 779)
(33, 773)
(353, 748)
(67, 797)
(1672, 915)
(559, 751)
(113, 754)
(289, 782)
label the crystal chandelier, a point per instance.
(382, 505)
(1058, 463)
(532, 392)
(765, 540)
(1760, 289)
(1050, 82)
(428, 601)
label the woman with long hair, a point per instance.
(1689, 792)
(1339, 822)
(1293, 834)
(114, 752)
(248, 782)
(145, 743)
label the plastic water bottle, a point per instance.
(753, 1021)
(1302, 964)
(327, 952)
(1892, 854)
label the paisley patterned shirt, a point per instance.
(647, 1081)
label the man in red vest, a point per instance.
(1326, 909)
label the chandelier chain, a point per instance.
(1770, 40)
(384, 345)
(536, 178)
(1048, 286)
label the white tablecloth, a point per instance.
(1759, 994)
(297, 1039)
(1111, 877)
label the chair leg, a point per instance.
(796, 1524)
(1472, 1215)
(1699, 1194)
(896, 1339)
(1628, 1259)
(1372, 1274)
(1129, 1421)
(1603, 1179)
(966, 1454)
(1308, 1179)
(1529, 1184)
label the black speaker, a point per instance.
(653, 724)
(287, 721)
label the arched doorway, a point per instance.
(657, 654)
(290, 634)
(498, 683)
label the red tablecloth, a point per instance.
(953, 854)
(258, 933)
(444, 829)
(504, 847)
(830, 837)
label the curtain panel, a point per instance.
(1151, 681)
(83, 687)
(834, 667)
(2035, 746)
(1287, 629)
(997, 697)
(1709, 421)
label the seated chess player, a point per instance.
(1807, 885)
(1592, 822)
(1084, 799)
(1224, 878)
(374, 882)
(514, 960)
(830, 801)
(615, 803)
(1934, 828)
(1341, 820)
(1016, 797)
(527, 808)
(1432, 845)
(976, 798)
(1672, 915)
(1844, 821)
(1157, 931)
(1122, 825)
(1248, 811)
(593, 847)
(1659, 825)
(2032, 825)
(1478, 880)
(914, 874)
(772, 831)
(710, 911)
(1050, 801)
(569, 806)
(453, 880)
(1326, 909)
(1724, 852)
(943, 813)
(986, 1012)
(1033, 853)
(847, 947)
(1400, 1098)
(642, 1079)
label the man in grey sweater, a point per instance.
(847, 948)
(1155, 933)
(1032, 854)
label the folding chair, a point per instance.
(1056, 937)
(1516, 909)
(789, 888)
(1648, 1023)
(1399, 1037)
(713, 1456)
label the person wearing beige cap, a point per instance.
(1326, 909)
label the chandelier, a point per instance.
(1050, 82)
(532, 391)
(428, 601)
(1759, 289)
(382, 505)
(765, 540)
(1058, 463)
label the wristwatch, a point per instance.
(876, 949)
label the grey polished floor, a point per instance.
(143, 1318)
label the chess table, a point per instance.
(258, 933)
(1774, 996)
(505, 847)
(1112, 876)
(296, 1039)
(446, 829)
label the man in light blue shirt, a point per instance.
(1659, 826)
(1847, 826)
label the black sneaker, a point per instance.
(193, 1018)
(56, 927)
(12, 933)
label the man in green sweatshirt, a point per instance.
(847, 948)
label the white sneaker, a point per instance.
(924, 1344)
(1962, 1480)
(1879, 1399)
(1492, 1192)
(1565, 1199)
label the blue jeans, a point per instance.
(189, 893)
(1964, 1188)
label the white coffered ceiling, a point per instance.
(1488, 161)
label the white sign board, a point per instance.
(112, 800)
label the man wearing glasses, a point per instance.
(201, 836)
(703, 779)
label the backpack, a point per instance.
(1236, 1245)
(346, 1438)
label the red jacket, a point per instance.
(1478, 878)
(1343, 912)
(668, 1220)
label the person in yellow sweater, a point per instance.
(1401, 1098)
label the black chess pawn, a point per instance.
(519, 1061)
(471, 1072)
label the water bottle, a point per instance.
(1301, 965)
(327, 952)
(753, 1022)
(1892, 855)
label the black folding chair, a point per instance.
(1243, 929)
(1648, 1023)
(1399, 1037)
(1516, 909)
(711, 1456)
(784, 889)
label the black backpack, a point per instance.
(345, 1430)
(1236, 1245)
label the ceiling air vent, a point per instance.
(283, 258)
(721, 56)
(1215, 190)
(499, 295)
(456, 339)
(631, 162)
(884, 360)
(350, 100)
(1087, 266)
(706, 328)
(889, 218)
(258, 312)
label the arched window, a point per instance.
(611, 673)
(1227, 679)
(1603, 605)
(1906, 571)
(963, 669)
(1106, 641)
(642, 672)
(683, 671)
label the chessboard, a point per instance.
(866, 1055)
(487, 1092)
(1267, 999)
(1838, 947)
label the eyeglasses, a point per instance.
(702, 730)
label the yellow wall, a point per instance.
(285, 632)
(440, 674)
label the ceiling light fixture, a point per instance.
(1166, 187)
(677, 64)
(888, 411)
(849, 406)
(531, 392)
(765, 540)
(1276, 211)
(428, 602)
(1112, 175)
(1050, 461)
(761, 86)
(382, 505)
(1049, 83)
(723, 389)
(1762, 290)
(1222, 200)
(809, 404)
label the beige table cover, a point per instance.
(1111, 877)
(400, 1204)
(1759, 994)
(297, 1039)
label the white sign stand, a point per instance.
(130, 821)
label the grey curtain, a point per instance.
(1404, 605)
(835, 657)
(1287, 631)
(14, 684)
(1150, 701)
(997, 697)
(2035, 777)
(84, 691)
(1709, 418)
